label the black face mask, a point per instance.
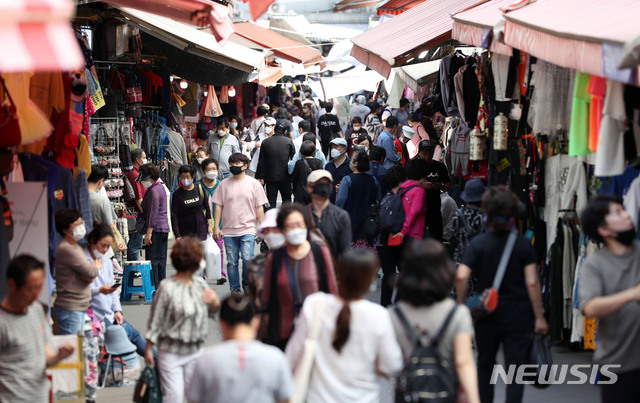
(235, 170)
(322, 190)
(626, 237)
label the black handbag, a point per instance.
(540, 355)
(113, 98)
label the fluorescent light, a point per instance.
(184, 84)
(423, 54)
(232, 92)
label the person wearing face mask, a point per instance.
(235, 124)
(328, 127)
(105, 298)
(222, 146)
(101, 209)
(293, 272)
(269, 232)
(386, 141)
(73, 273)
(519, 308)
(306, 113)
(403, 137)
(333, 222)
(339, 165)
(305, 135)
(239, 208)
(201, 154)
(134, 246)
(357, 192)
(210, 183)
(190, 214)
(360, 110)
(254, 147)
(609, 290)
(155, 225)
(353, 133)
(275, 154)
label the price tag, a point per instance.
(503, 164)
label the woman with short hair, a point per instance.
(73, 273)
(177, 325)
(155, 225)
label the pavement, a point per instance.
(138, 315)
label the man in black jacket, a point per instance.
(275, 153)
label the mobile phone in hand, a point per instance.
(116, 285)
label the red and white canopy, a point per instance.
(37, 36)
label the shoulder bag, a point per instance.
(302, 372)
(485, 303)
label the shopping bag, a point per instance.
(213, 259)
(119, 245)
(540, 355)
(304, 366)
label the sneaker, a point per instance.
(236, 291)
(221, 281)
(245, 287)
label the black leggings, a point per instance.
(284, 187)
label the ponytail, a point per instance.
(342, 327)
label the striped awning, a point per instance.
(474, 25)
(395, 7)
(353, 4)
(586, 35)
(397, 41)
(37, 36)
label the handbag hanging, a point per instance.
(10, 134)
(302, 372)
(484, 304)
(133, 92)
(113, 98)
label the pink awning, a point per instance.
(37, 36)
(472, 26)
(580, 34)
(394, 42)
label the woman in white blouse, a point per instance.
(356, 342)
(177, 325)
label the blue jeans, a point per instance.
(69, 322)
(156, 253)
(134, 336)
(236, 248)
(134, 246)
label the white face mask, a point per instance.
(234, 124)
(187, 182)
(200, 160)
(97, 254)
(78, 233)
(211, 174)
(268, 130)
(356, 128)
(296, 236)
(274, 240)
(222, 133)
(144, 161)
(146, 184)
(335, 153)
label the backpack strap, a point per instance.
(413, 337)
(443, 329)
(318, 257)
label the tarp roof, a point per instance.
(281, 46)
(586, 35)
(393, 42)
(473, 25)
(353, 4)
(189, 42)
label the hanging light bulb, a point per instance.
(206, 93)
(232, 92)
(171, 78)
(184, 84)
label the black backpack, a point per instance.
(426, 376)
(392, 214)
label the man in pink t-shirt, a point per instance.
(239, 204)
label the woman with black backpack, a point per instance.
(429, 324)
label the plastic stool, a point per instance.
(144, 268)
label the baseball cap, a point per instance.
(426, 145)
(339, 142)
(270, 121)
(270, 220)
(318, 174)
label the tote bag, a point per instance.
(302, 372)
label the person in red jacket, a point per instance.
(400, 142)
